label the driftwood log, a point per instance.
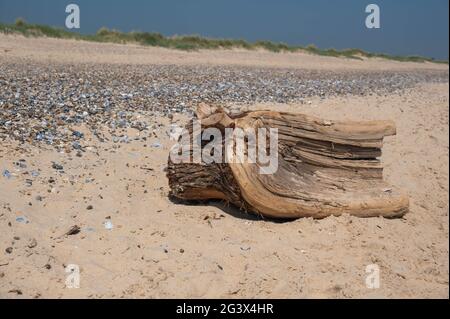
(324, 168)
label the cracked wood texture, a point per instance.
(324, 168)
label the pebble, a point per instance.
(108, 225)
(52, 97)
(6, 174)
(73, 230)
(77, 134)
(32, 243)
(22, 219)
(57, 166)
(156, 145)
(35, 173)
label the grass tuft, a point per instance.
(193, 42)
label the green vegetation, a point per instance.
(191, 42)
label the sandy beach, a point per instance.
(84, 141)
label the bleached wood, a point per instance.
(325, 168)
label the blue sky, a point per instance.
(408, 27)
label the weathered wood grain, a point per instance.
(324, 168)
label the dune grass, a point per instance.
(192, 42)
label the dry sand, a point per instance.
(162, 249)
(71, 51)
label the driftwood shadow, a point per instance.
(228, 209)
